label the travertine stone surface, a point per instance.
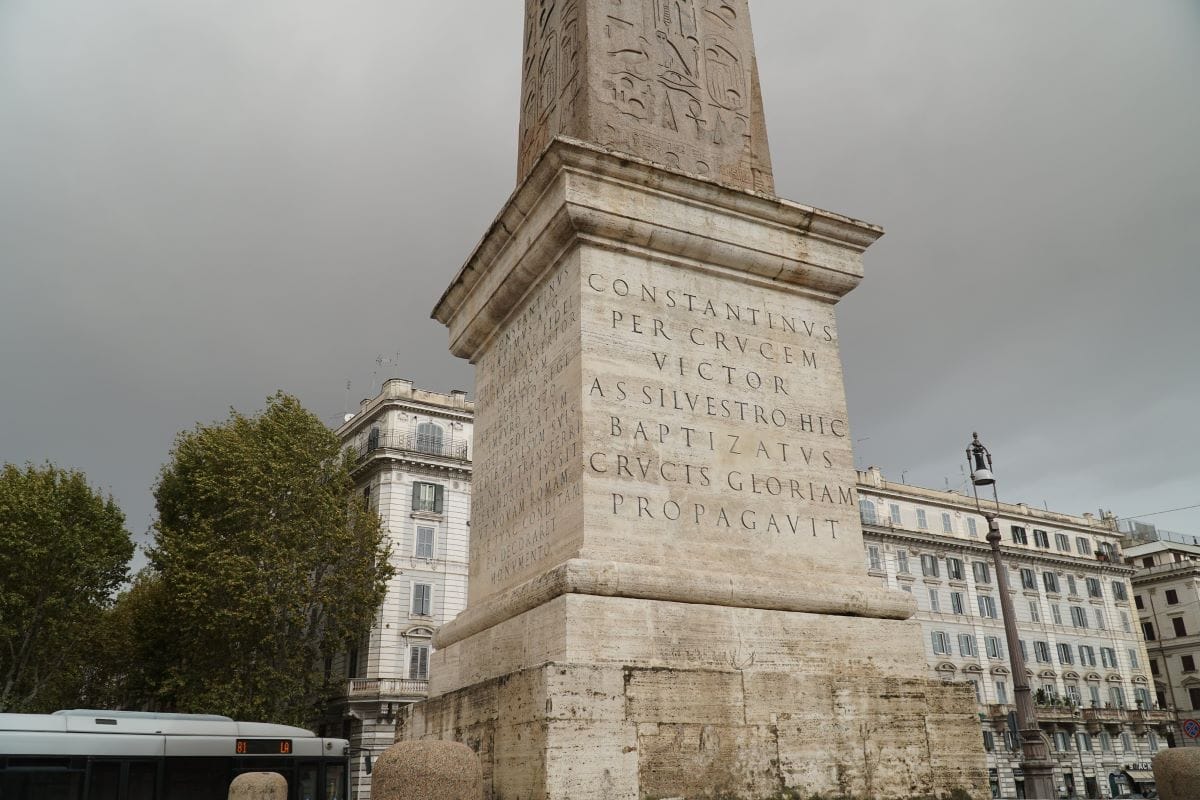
(427, 770)
(672, 81)
(660, 396)
(258, 786)
(1177, 773)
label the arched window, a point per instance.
(867, 510)
(429, 438)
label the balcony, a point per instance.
(411, 443)
(386, 689)
(1057, 714)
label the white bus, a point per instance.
(132, 755)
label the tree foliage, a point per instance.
(64, 551)
(263, 565)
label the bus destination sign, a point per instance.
(263, 747)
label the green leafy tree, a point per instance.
(64, 551)
(264, 564)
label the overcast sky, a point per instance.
(203, 202)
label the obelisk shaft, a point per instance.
(674, 82)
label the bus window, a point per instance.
(197, 779)
(142, 776)
(306, 782)
(56, 785)
(335, 782)
(104, 780)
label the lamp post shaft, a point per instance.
(1037, 766)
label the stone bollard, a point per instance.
(258, 786)
(1177, 773)
(427, 770)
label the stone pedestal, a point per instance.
(668, 595)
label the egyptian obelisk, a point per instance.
(668, 595)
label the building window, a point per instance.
(1116, 696)
(1093, 587)
(1050, 581)
(1100, 618)
(1024, 649)
(1154, 667)
(1189, 663)
(1141, 696)
(1105, 742)
(983, 572)
(1152, 740)
(1087, 656)
(1094, 695)
(366, 496)
(902, 562)
(1137, 602)
(894, 510)
(418, 662)
(929, 566)
(958, 603)
(954, 569)
(966, 644)
(989, 741)
(1062, 542)
(1079, 617)
(947, 525)
(1148, 631)
(1065, 656)
(987, 606)
(1172, 597)
(873, 560)
(1119, 590)
(1126, 743)
(1028, 579)
(1034, 615)
(1108, 657)
(1084, 742)
(941, 643)
(352, 663)
(429, 438)
(922, 523)
(1125, 624)
(424, 545)
(1148, 562)
(1001, 692)
(971, 530)
(1018, 535)
(1041, 651)
(422, 600)
(1071, 589)
(1056, 612)
(1073, 694)
(1041, 539)
(935, 604)
(1062, 741)
(866, 510)
(1083, 546)
(1177, 624)
(427, 497)
(1194, 697)
(373, 440)
(994, 649)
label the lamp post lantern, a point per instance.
(1036, 764)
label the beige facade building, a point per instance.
(1086, 661)
(413, 466)
(1166, 594)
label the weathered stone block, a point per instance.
(1177, 773)
(258, 786)
(427, 770)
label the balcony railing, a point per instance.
(386, 688)
(412, 443)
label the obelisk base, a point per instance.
(648, 699)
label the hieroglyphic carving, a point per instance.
(672, 81)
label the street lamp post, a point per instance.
(1037, 767)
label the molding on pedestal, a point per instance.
(817, 594)
(580, 193)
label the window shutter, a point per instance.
(437, 498)
(414, 662)
(416, 496)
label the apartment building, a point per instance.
(1086, 661)
(1166, 595)
(412, 451)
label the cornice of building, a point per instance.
(398, 393)
(983, 550)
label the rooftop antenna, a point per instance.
(346, 415)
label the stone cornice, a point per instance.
(983, 550)
(582, 193)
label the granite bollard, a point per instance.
(427, 770)
(1177, 773)
(258, 786)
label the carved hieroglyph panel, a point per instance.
(671, 81)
